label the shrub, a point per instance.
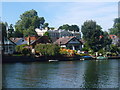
(22, 49)
(25, 51)
(47, 49)
(17, 48)
(67, 52)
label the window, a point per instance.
(22, 40)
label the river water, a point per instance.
(62, 74)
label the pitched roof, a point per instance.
(64, 40)
(31, 38)
(15, 39)
(43, 39)
(8, 41)
(113, 36)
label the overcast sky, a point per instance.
(59, 13)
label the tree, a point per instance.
(29, 32)
(42, 20)
(47, 49)
(52, 28)
(68, 27)
(21, 49)
(29, 20)
(46, 34)
(10, 31)
(45, 25)
(74, 28)
(95, 38)
(116, 27)
(65, 27)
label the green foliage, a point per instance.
(29, 32)
(46, 34)
(74, 28)
(47, 49)
(114, 49)
(10, 31)
(29, 20)
(102, 51)
(64, 52)
(68, 27)
(45, 25)
(65, 27)
(25, 51)
(110, 50)
(85, 49)
(52, 28)
(19, 48)
(95, 38)
(116, 27)
(17, 33)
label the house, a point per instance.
(42, 40)
(9, 46)
(18, 41)
(69, 42)
(115, 39)
(56, 34)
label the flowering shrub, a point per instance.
(67, 52)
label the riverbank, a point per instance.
(10, 59)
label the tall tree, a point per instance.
(95, 38)
(116, 27)
(29, 20)
(10, 31)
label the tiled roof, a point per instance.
(113, 36)
(15, 39)
(43, 39)
(31, 38)
(63, 40)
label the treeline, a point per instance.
(30, 20)
(95, 38)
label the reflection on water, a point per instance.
(64, 74)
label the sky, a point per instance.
(59, 13)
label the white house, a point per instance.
(69, 42)
(56, 34)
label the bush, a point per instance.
(17, 49)
(25, 51)
(22, 49)
(67, 52)
(47, 49)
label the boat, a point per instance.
(87, 58)
(101, 57)
(53, 60)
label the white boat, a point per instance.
(82, 59)
(101, 58)
(53, 60)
